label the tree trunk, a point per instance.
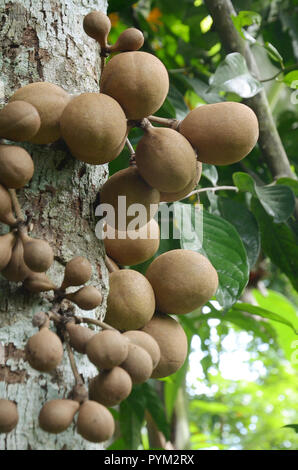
(45, 41)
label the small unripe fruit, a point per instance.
(110, 387)
(78, 271)
(107, 349)
(97, 25)
(44, 350)
(9, 416)
(87, 298)
(6, 214)
(57, 415)
(79, 336)
(19, 121)
(7, 243)
(38, 255)
(171, 197)
(38, 282)
(16, 270)
(95, 422)
(145, 341)
(16, 165)
(138, 364)
(130, 39)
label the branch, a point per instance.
(285, 70)
(216, 188)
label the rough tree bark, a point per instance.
(44, 41)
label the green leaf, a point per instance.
(291, 79)
(118, 444)
(293, 184)
(217, 239)
(278, 242)
(172, 386)
(273, 52)
(132, 411)
(119, 5)
(232, 75)
(155, 407)
(262, 312)
(244, 182)
(210, 172)
(210, 407)
(246, 225)
(177, 101)
(246, 18)
(292, 426)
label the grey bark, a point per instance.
(44, 41)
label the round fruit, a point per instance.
(131, 301)
(171, 197)
(223, 133)
(57, 415)
(50, 101)
(78, 271)
(79, 336)
(6, 214)
(138, 81)
(97, 25)
(134, 246)
(7, 243)
(16, 270)
(130, 39)
(19, 121)
(38, 282)
(16, 165)
(138, 364)
(165, 159)
(107, 349)
(44, 350)
(94, 127)
(172, 341)
(182, 280)
(134, 190)
(38, 255)
(9, 416)
(95, 422)
(145, 341)
(111, 387)
(87, 298)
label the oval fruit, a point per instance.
(19, 121)
(6, 214)
(131, 39)
(16, 165)
(97, 25)
(9, 415)
(79, 336)
(78, 271)
(95, 422)
(16, 270)
(145, 341)
(44, 350)
(111, 387)
(171, 197)
(87, 298)
(138, 364)
(107, 349)
(57, 415)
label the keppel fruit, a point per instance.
(94, 127)
(171, 197)
(44, 350)
(131, 301)
(97, 25)
(182, 280)
(38, 255)
(16, 270)
(134, 190)
(16, 165)
(7, 243)
(132, 247)
(77, 272)
(50, 101)
(107, 349)
(110, 387)
(138, 81)
(165, 159)
(57, 415)
(138, 364)
(130, 39)
(172, 342)
(6, 214)
(95, 422)
(87, 298)
(38, 282)
(9, 416)
(145, 341)
(223, 133)
(19, 121)
(79, 336)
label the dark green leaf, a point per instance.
(177, 101)
(293, 184)
(210, 172)
(246, 18)
(291, 79)
(156, 409)
(273, 52)
(292, 426)
(132, 411)
(262, 312)
(118, 5)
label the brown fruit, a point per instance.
(138, 81)
(134, 246)
(171, 197)
(138, 364)
(182, 280)
(38, 255)
(50, 101)
(44, 350)
(57, 415)
(6, 214)
(19, 121)
(145, 341)
(16, 165)
(77, 272)
(16, 270)
(79, 336)
(172, 341)
(131, 39)
(38, 282)
(95, 422)
(110, 387)
(165, 159)
(97, 25)
(94, 127)
(107, 349)
(87, 298)
(9, 415)
(130, 184)
(223, 133)
(7, 243)
(131, 301)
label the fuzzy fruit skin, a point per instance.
(6, 215)
(38, 255)
(223, 133)
(44, 350)
(171, 197)
(129, 183)
(7, 243)
(131, 301)
(87, 298)
(50, 101)
(182, 280)
(110, 387)
(16, 270)
(79, 336)
(134, 246)
(138, 364)
(138, 81)
(17, 167)
(97, 25)
(95, 422)
(9, 416)
(57, 415)
(107, 349)
(172, 341)
(77, 271)
(131, 39)
(145, 341)
(165, 159)
(19, 121)
(38, 282)
(94, 127)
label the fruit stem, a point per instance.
(73, 365)
(102, 66)
(132, 159)
(93, 321)
(216, 188)
(173, 123)
(16, 206)
(109, 265)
